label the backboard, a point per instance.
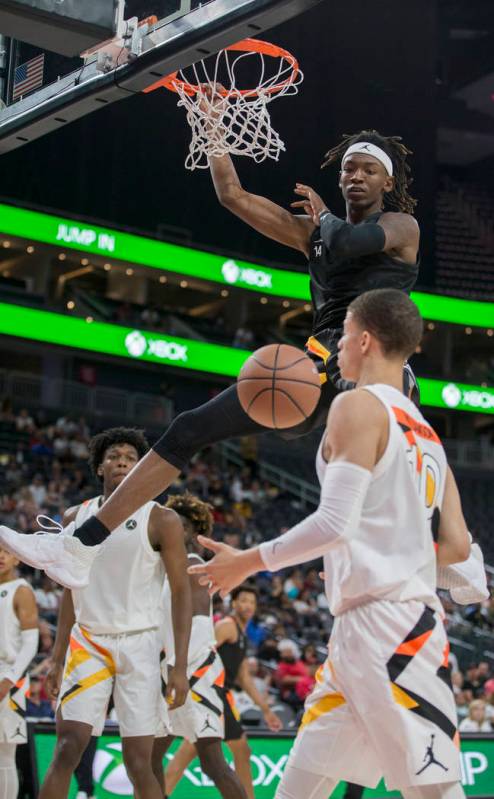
(161, 37)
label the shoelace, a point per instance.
(51, 527)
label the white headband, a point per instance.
(371, 149)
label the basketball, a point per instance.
(278, 386)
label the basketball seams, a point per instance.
(277, 395)
(273, 385)
(285, 379)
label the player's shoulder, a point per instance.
(355, 408)
(401, 219)
(71, 513)
(166, 517)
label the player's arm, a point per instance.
(166, 533)
(453, 539)
(260, 213)
(200, 596)
(65, 622)
(393, 232)
(26, 610)
(244, 679)
(356, 437)
(225, 632)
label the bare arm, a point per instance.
(225, 631)
(201, 601)
(65, 622)
(453, 540)
(166, 532)
(260, 213)
(244, 679)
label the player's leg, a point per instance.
(9, 781)
(241, 752)
(137, 754)
(174, 771)
(297, 782)
(72, 739)
(84, 771)
(160, 748)
(214, 765)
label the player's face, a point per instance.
(7, 562)
(245, 605)
(118, 461)
(363, 180)
(350, 349)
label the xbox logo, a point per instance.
(230, 271)
(135, 344)
(451, 395)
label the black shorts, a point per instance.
(233, 727)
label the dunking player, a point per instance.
(201, 719)
(108, 633)
(372, 248)
(231, 641)
(18, 645)
(383, 704)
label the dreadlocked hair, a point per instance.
(116, 435)
(198, 513)
(399, 197)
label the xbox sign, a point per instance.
(138, 344)
(255, 278)
(451, 395)
(468, 398)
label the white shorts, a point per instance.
(126, 666)
(201, 716)
(382, 705)
(13, 728)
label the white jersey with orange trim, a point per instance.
(10, 628)
(202, 637)
(392, 554)
(126, 581)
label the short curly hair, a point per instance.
(195, 511)
(100, 443)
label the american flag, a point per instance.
(28, 76)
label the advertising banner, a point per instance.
(269, 756)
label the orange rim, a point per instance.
(174, 84)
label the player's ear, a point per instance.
(389, 184)
(340, 175)
(99, 470)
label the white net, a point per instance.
(234, 120)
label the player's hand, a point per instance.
(53, 680)
(5, 686)
(273, 721)
(211, 101)
(177, 688)
(229, 567)
(311, 203)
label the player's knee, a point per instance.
(214, 765)
(181, 440)
(137, 764)
(69, 750)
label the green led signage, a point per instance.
(187, 261)
(71, 331)
(140, 345)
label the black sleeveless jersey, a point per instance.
(232, 656)
(336, 282)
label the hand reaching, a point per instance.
(312, 204)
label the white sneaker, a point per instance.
(61, 556)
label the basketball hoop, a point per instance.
(234, 120)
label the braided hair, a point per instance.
(398, 197)
(197, 513)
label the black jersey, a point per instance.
(336, 282)
(232, 655)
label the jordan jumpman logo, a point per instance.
(429, 757)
